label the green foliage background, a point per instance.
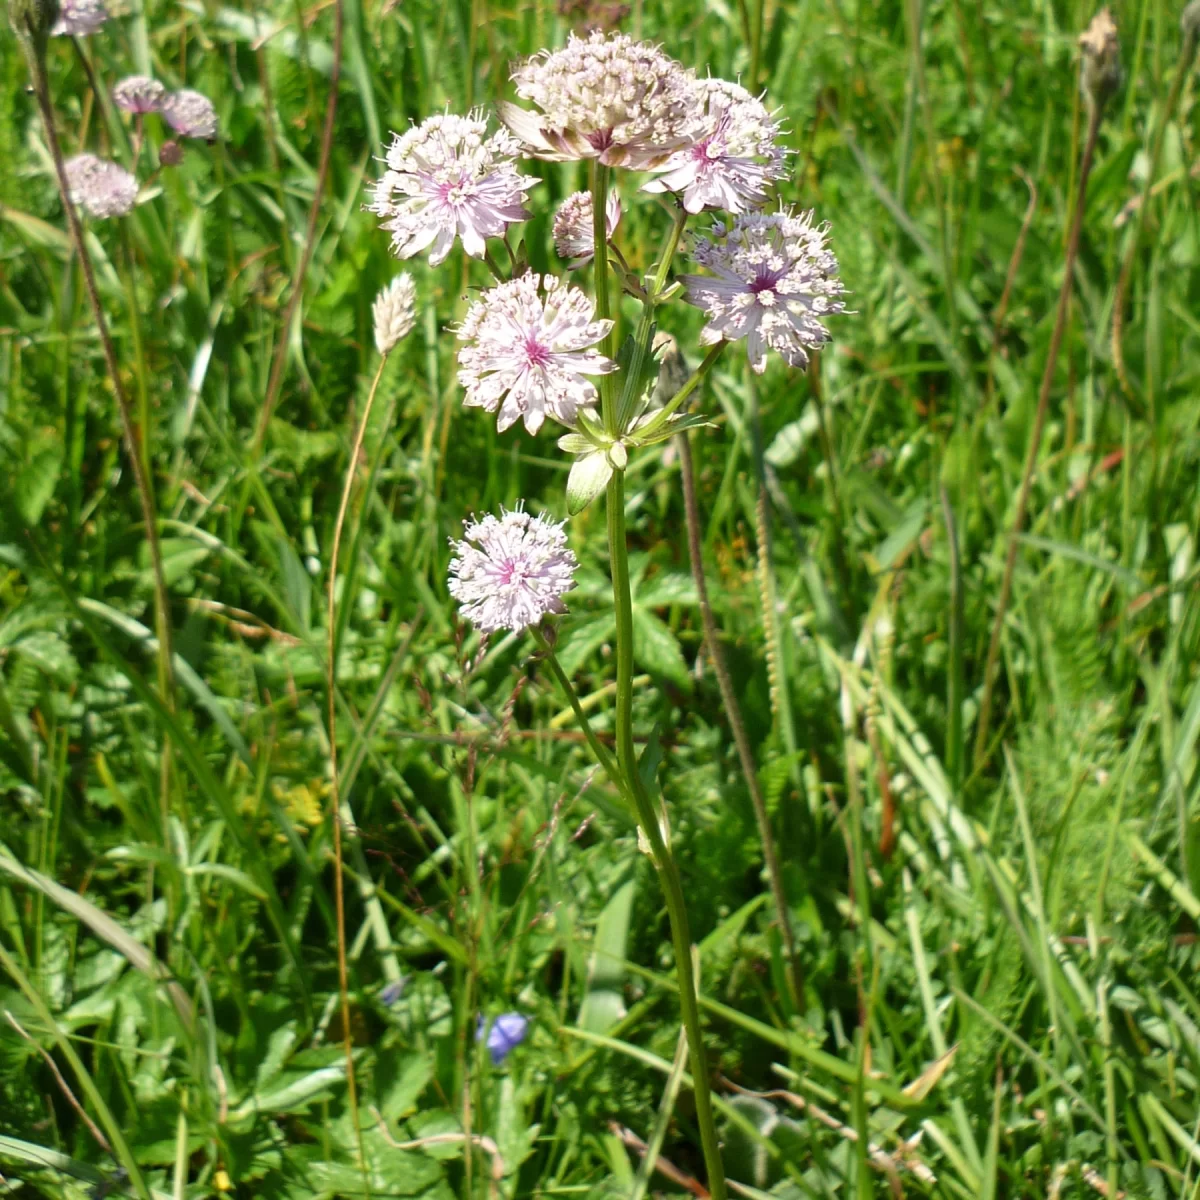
(1037, 916)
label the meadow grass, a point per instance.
(992, 991)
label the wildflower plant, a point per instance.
(535, 347)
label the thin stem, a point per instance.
(334, 789)
(661, 417)
(275, 381)
(1096, 111)
(733, 711)
(129, 428)
(1186, 51)
(599, 189)
(598, 749)
(641, 338)
(660, 849)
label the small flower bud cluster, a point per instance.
(574, 231)
(1100, 65)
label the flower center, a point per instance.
(513, 572)
(457, 192)
(536, 355)
(763, 283)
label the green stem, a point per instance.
(645, 328)
(660, 849)
(661, 417)
(602, 755)
(608, 347)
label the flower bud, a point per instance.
(1100, 67)
(170, 154)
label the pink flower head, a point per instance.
(101, 188)
(191, 114)
(607, 97)
(78, 18)
(445, 179)
(773, 277)
(139, 94)
(574, 235)
(509, 571)
(527, 352)
(735, 157)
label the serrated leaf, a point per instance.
(589, 477)
(34, 484)
(655, 648)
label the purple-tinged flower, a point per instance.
(78, 18)
(391, 992)
(445, 179)
(191, 114)
(527, 352)
(101, 188)
(736, 156)
(574, 235)
(504, 1034)
(773, 277)
(510, 571)
(607, 97)
(139, 94)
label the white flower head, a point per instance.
(773, 278)
(735, 158)
(139, 94)
(527, 352)
(574, 235)
(394, 312)
(446, 178)
(101, 188)
(510, 571)
(78, 18)
(191, 114)
(607, 97)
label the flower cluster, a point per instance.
(574, 233)
(139, 94)
(623, 102)
(510, 571)
(446, 178)
(527, 352)
(191, 114)
(530, 344)
(101, 188)
(773, 278)
(735, 157)
(78, 18)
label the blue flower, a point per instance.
(504, 1034)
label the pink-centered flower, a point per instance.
(773, 279)
(735, 158)
(78, 18)
(139, 94)
(574, 234)
(446, 178)
(607, 97)
(191, 114)
(509, 571)
(99, 187)
(527, 352)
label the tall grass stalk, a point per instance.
(1095, 114)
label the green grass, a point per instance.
(171, 954)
